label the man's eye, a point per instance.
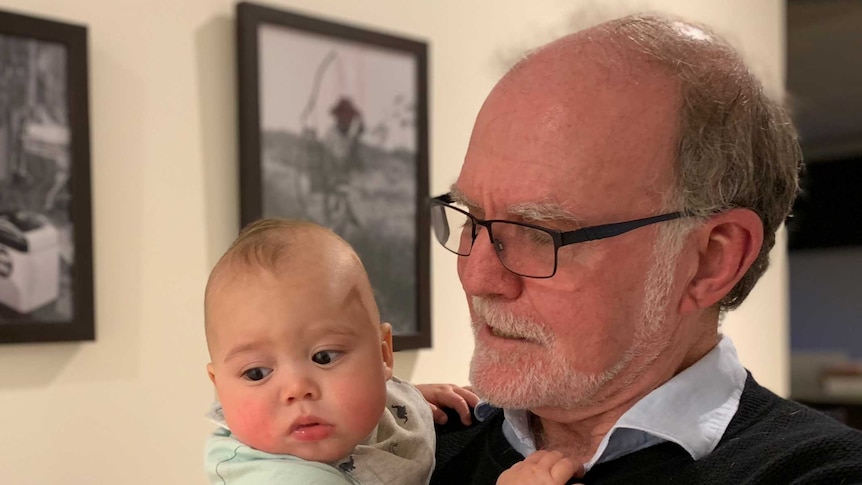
(256, 373)
(325, 357)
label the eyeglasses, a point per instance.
(524, 249)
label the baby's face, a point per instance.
(299, 364)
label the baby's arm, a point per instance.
(540, 468)
(461, 399)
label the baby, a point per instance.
(302, 368)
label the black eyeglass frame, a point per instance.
(561, 238)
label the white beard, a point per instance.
(530, 379)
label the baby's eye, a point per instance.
(325, 357)
(256, 374)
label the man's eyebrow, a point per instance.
(542, 212)
(458, 197)
(529, 211)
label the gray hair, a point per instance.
(737, 148)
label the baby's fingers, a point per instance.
(563, 470)
(458, 399)
(468, 395)
(558, 467)
(438, 414)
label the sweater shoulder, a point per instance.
(762, 413)
(781, 441)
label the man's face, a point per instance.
(597, 145)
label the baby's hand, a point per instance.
(540, 468)
(461, 399)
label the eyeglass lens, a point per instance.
(521, 249)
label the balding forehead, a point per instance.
(592, 54)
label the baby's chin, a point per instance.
(319, 452)
(323, 446)
(333, 456)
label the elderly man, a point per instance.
(621, 190)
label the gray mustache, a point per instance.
(488, 312)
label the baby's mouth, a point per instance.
(308, 422)
(309, 425)
(311, 429)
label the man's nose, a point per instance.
(483, 274)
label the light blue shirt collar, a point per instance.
(693, 410)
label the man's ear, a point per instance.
(211, 372)
(386, 349)
(727, 245)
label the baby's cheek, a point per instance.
(363, 407)
(252, 424)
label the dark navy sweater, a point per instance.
(769, 441)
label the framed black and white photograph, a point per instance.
(334, 129)
(46, 273)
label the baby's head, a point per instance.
(298, 355)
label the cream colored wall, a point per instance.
(126, 408)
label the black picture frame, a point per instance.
(46, 254)
(333, 128)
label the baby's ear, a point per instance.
(386, 349)
(211, 372)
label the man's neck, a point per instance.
(575, 433)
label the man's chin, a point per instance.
(515, 386)
(502, 386)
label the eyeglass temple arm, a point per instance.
(597, 232)
(445, 198)
(610, 230)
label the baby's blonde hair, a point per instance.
(266, 244)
